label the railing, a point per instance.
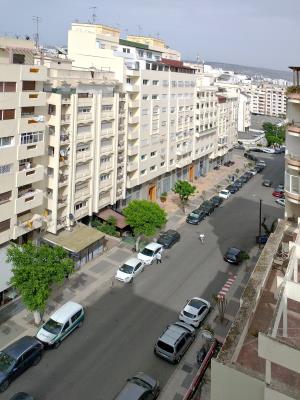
(65, 117)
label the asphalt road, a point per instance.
(117, 337)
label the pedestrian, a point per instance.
(158, 258)
(201, 237)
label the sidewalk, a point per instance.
(96, 277)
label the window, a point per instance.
(32, 137)
(106, 125)
(165, 83)
(6, 141)
(104, 177)
(51, 109)
(100, 45)
(156, 110)
(155, 97)
(27, 111)
(164, 109)
(164, 95)
(7, 114)
(145, 97)
(162, 164)
(5, 169)
(155, 83)
(76, 316)
(145, 111)
(153, 168)
(81, 147)
(5, 197)
(84, 110)
(149, 54)
(107, 107)
(128, 80)
(28, 85)
(141, 53)
(4, 225)
(80, 205)
(7, 86)
(145, 81)
(171, 161)
(164, 123)
(143, 172)
(18, 58)
(81, 186)
(143, 156)
(153, 153)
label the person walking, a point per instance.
(202, 237)
(158, 258)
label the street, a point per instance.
(118, 335)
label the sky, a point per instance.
(262, 33)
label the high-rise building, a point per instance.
(268, 99)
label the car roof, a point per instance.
(20, 346)
(63, 313)
(133, 261)
(172, 334)
(198, 302)
(131, 391)
(153, 246)
(233, 250)
(169, 232)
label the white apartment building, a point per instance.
(261, 352)
(244, 112)
(22, 148)
(86, 147)
(292, 156)
(267, 99)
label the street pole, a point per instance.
(259, 229)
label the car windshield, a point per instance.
(52, 326)
(127, 269)
(140, 382)
(189, 315)
(164, 346)
(224, 191)
(232, 252)
(6, 362)
(147, 252)
(194, 216)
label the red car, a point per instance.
(278, 193)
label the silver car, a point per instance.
(140, 387)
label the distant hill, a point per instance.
(253, 71)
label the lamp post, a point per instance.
(259, 228)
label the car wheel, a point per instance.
(57, 344)
(37, 360)
(4, 385)
(178, 359)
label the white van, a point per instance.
(61, 324)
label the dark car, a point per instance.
(267, 183)
(168, 238)
(232, 188)
(21, 396)
(217, 201)
(195, 217)
(243, 179)
(250, 156)
(248, 175)
(258, 168)
(207, 206)
(278, 193)
(17, 357)
(140, 387)
(258, 150)
(238, 183)
(233, 255)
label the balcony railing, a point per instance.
(292, 183)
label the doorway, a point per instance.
(152, 193)
(191, 173)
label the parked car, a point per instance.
(140, 387)
(248, 175)
(217, 167)
(175, 341)
(17, 357)
(239, 147)
(233, 255)
(250, 156)
(267, 183)
(261, 162)
(268, 150)
(195, 217)
(217, 200)
(21, 396)
(63, 322)
(207, 206)
(278, 193)
(238, 183)
(281, 186)
(257, 150)
(232, 189)
(128, 271)
(243, 179)
(258, 168)
(168, 238)
(281, 202)
(195, 311)
(253, 172)
(149, 254)
(225, 194)
(229, 163)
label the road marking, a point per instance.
(226, 287)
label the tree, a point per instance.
(275, 134)
(184, 189)
(144, 217)
(35, 269)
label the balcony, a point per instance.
(133, 119)
(292, 187)
(31, 150)
(33, 73)
(105, 183)
(133, 150)
(63, 161)
(133, 104)
(61, 222)
(131, 88)
(33, 99)
(29, 199)
(84, 117)
(64, 138)
(32, 122)
(31, 174)
(65, 119)
(294, 128)
(133, 134)
(132, 166)
(84, 136)
(27, 223)
(6, 207)
(83, 212)
(62, 180)
(83, 174)
(82, 194)
(107, 132)
(83, 155)
(293, 160)
(62, 201)
(132, 182)
(107, 115)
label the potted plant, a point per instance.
(163, 197)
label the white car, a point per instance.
(281, 202)
(195, 311)
(149, 254)
(129, 270)
(253, 171)
(225, 194)
(268, 150)
(261, 162)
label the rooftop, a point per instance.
(257, 121)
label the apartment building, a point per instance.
(244, 112)
(22, 148)
(261, 353)
(87, 142)
(267, 99)
(292, 156)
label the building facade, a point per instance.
(268, 99)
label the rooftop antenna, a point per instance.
(158, 35)
(140, 30)
(36, 20)
(94, 15)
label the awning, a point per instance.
(76, 240)
(120, 219)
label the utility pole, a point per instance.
(36, 20)
(94, 15)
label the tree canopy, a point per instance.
(144, 217)
(35, 269)
(275, 135)
(184, 189)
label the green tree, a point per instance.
(35, 269)
(184, 189)
(144, 217)
(275, 135)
